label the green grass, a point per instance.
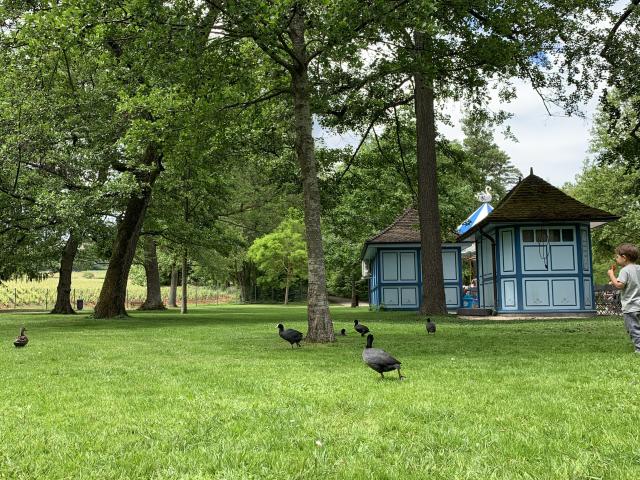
(217, 394)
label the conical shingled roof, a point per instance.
(534, 200)
(405, 229)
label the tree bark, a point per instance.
(63, 298)
(286, 291)
(173, 289)
(111, 302)
(433, 299)
(152, 273)
(320, 326)
(354, 294)
(245, 279)
(183, 303)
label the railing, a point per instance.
(607, 298)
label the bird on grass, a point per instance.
(361, 329)
(22, 339)
(343, 332)
(290, 335)
(431, 327)
(379, 360)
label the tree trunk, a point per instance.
(63, 299)
(111, 302)
(354, 294)
(320, 325)
(183, 303)
(173, 289)
(152, 272)
(286, 292)
(245, 278)
(433, 300)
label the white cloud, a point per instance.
(554, 146)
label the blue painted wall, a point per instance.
(396, 277)
(539, 268)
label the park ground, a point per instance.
(217, 394)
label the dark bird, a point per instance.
(379, 360)
(22, 339)
(290, 335)
(343, 332)
(361, 329)
(431, 327)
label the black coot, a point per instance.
(379, 360)
(290, 335)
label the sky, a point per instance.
(554, 146)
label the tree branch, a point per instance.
(262, 98)
(353, 156)
(607, 43)
(398, 139)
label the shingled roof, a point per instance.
(406, 229)
(533, 200)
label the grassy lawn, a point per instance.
(217, 394)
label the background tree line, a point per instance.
(177, 134)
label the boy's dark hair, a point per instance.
(629, 251)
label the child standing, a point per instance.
(628, 282)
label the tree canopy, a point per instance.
(192, 124)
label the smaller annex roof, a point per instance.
(405, 229)
(476, 217)
(534, 200)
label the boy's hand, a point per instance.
(612, 276)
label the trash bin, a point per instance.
(79, 304)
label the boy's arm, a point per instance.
(612, 277)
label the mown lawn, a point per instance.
(217, 394)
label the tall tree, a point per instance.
(60, 110)
(294, 36)
(160, 95)
(433, 299)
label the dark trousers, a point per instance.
(632, 323)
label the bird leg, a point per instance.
(382, 375)
(400, 376)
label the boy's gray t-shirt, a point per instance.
(630, 294)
